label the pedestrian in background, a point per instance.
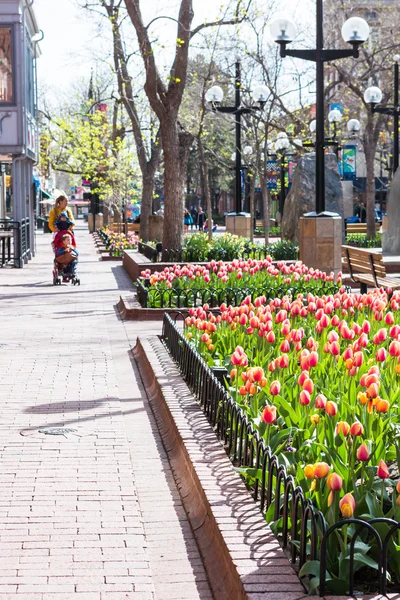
(194, 215)
(187, 220)
(201, 217)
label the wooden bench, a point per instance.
(356, 228)
(367, 268)
(120, 227)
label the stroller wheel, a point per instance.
(55, 281)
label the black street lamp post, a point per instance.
(373, 96)
(355, 31)
(215, 95)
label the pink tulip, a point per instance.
(275, 388)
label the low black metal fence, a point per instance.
(185, 255)
(14, 242)
(305, 535)
(159, 297)
(153, 253)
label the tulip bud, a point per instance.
(321, 470)
(313, 359)
(334, 482)
(356, 429)
(342, 427)
(358, 359)
(302, 377)
(309, 471)
(331, 408)
(383, 471)
(269, 414)
(382, 405)
(314, 419)
(233, 374)
(320, 401)
(308, 386)
(363, 453)
(305, 398)
(362, 398)
(381, 355)
(373, 390)
(347, 506)
(275, 388)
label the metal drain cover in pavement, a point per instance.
(58, 431)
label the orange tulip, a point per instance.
(331, 408)
(347, 506)
(343, 427)
(321, 470)
(309, 471)
(382, 406)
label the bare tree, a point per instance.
(165, 99)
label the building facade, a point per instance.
(19, 36)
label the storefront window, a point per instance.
(6, 58)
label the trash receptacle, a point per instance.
(46, 228)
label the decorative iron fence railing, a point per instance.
(304, 533)
(174, 297)
(191, 255)
(14, 242)
(150, 252)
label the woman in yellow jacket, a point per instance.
(60, 206)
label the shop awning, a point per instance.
(46, 194)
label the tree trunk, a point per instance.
(146, 208)
(206, 186)
(176, 146)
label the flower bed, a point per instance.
(318, 378)
(197, 247)
(194, 285)
(118, 242)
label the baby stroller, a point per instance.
(65, 264)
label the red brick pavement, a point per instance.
(93, 514)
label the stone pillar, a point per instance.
(99, 221)
(90, 223)
(391, 237)
(301, 197)
(239, 225)
(320, 243)
(156, 226)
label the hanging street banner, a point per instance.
(272, 174)
(349, 162)
(292, 164)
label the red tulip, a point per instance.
(363, 453)
(305, 398)
(343, 427)
(308, 385)
(269, 414)
(381, 355)
(275, 388)
(320, 401)
(383, 471)
(356, 429)
(334, 482)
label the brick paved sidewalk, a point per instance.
(93, 514)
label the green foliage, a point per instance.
(284, 250)
(198, 248)
(360, 240)
(87, 143)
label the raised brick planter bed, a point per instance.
(130, 310)
(241, 555)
